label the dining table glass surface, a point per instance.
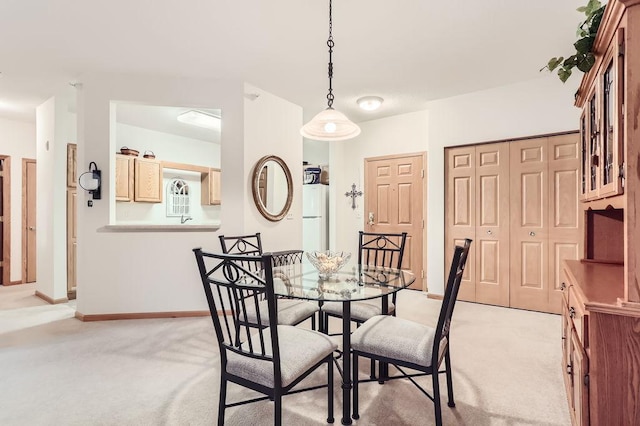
(353, 282)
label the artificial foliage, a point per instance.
(584, 58)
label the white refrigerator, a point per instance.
(315, 220)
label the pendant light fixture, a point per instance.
(330, 124)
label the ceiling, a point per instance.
(164, 119)
(408, 51)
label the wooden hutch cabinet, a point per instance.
(601, 292)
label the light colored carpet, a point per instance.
(165, 372)
(19, 296)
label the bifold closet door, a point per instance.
(460, 216)
(477, 201)
(492, 224)
(529, 266)
(518, 201)
(565, 215)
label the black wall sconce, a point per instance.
(91, 180)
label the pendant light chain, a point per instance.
(330, 125)
(330, 44)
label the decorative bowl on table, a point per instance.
(328, 262)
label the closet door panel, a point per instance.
(529, 260)
(492, 224)
(565, 215)
(460, 216)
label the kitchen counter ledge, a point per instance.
(159, 228)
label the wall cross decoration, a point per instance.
(353, 194)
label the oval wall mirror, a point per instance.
(272, 187)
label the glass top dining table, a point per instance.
(352, 283)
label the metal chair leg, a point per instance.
(354, 361)
(436, 398)
(277, 421)
(223, 400)
(447, 366)
(372, 374)
(330, 418)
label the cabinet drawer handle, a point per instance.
(572, 312)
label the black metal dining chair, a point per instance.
(270, 360)
(290, 311)
(374, 249)
(405, 343)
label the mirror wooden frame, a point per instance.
(273, 217)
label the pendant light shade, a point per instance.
(330, 125)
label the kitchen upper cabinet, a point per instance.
(147, 180)
(211, 193)
(124, 177)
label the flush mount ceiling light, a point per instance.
(200, 119)
(330, 125)
(370, 103)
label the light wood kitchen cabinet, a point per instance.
(147, 180)
(124, 177)
(210, 187)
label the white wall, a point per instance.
(529, 108)
(272, 127)
(178, 149)
(400, 134)
(149, 271)
(315, 152)
(55, 128)
(124, 272)
(18, 140)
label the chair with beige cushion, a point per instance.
(272, 359)
(290, 311)
(412, 345)
(374, 249)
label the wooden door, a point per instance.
(72, 169)
(565, 214)
(72, 244)
(529, 275)
(394, 203)
(460, 217)
(492, 224)
(5, 222)
(29, 220)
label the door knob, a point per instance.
(32, 228)
(489, 231)
(532, 234)
(370, 218)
